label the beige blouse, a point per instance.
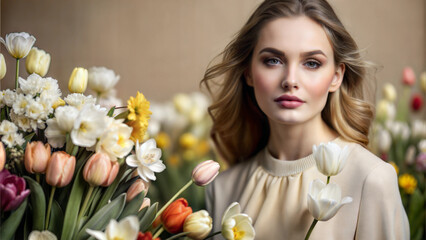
(274, 194)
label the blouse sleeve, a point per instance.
(381, 213)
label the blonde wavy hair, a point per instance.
(240, 129)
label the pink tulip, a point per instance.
(2, 156)
(137, 187)
(100, 170)
(421, 162)
(408, 76)
(37, 156)
(12, 191)
(60, 169)
(205, 172)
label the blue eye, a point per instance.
(272, 61)
(312, 64)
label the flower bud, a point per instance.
(2, 67)
(58, 103)
(205, 172)
(38, 61)
(12, 191)
(78, 80)
(146, 203)
(330, 158)
(198, 224)
(408, 76)
(60, 169)
(37, 156)
(100, 170)
(416, 102)
(2, 156)
(175, 214)
(389, 92)
(137, 187)
(423, 82)
(43, 235)
(18, 44)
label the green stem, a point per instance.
(17, 74)
(328, 179)
(177, 235)
(49, 207)
(310, 229)
(213, 234)
(158, 233)
(173, 198)
(85, 203)
(37, 178)
(98, 96)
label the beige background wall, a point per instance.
(162, 47)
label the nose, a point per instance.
(290, 79)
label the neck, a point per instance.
(294, 141)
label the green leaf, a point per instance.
(38, 204)
(8, 227)
(124, 187)
(73, 206)
(148, 217)
(94, 200)
(133, 206)
(416, 213)
(56, 219)
(122, 115)
(142, 212)
(111, 189)
(102, 217)
(111, 112)
(29, 137)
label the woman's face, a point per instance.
(292, 70)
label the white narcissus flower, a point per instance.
(324, 200)
(330, 158)
(9, 97)
(115, 141)
(78, 100)
(147, 160)
(12, 139)
(18, 44)
(198, 225)
(58, 127)
(102, 79)
(32, 85)
(127, 228)
(7, 127)
(44, 235)
(88, 126)
(21, 103)
(237, 225)
(23, 122)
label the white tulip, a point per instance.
(147, 160)
(38, 61)
(88, 126)
(198, 225)
(3, 68)
(127, 228)
(325, 200)
(410, 155)
(18, 44)
(44, 235)
(385, 140)
(115, 141)
(418, 128)
(422, 145)
(385, 110)
(237, 225)
(102, 79)
(330, 158)
(389, 92)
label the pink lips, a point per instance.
(288, 101)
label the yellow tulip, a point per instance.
(408, 183)
(38, 61)
(78, 80)
(2, 67)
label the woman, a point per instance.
(293, 78)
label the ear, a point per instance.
(248, 78)
(337, 78)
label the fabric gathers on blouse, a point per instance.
(274, 194)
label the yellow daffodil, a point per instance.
(163, 140)
(407, 182)
(138, 109)
(187, 140)
(395, 166)
(138, 131)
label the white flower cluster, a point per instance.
(32, 103)
(89, 126)
(10, 135)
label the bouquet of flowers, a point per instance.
(400, 139)
(71, 169)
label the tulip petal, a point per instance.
(97, 234)
(232, 210)
(17, 201)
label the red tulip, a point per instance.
(12, 191)
(416, 102)
(100, 170)
(60, 169)
(146, 236)
(175, 214)
(408, 76)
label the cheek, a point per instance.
(320, 87)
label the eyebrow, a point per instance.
(280, 53)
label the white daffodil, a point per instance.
(330, 158)
(23, 122)
(7, 127)
(147, 160)
(18, 44)
(58, 127)
(44, 235)
(325, 200)
(102, 79)
(13, 139)
(127, 228)
(88, 126)
(79, 100)
(115, 141)
(32, 85)
(21, 103)
(9, 97)
(34, 110)
(237, 225)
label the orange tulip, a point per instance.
(100, 170)
(37, 156)
(175, 214)
(2, 156)
(60, 169)
(137, 187)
